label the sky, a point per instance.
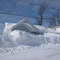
(24, 8)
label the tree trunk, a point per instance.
(58, 20)
(41, 20)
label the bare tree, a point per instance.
(37, 20)
(58, 16)
(53, 20)
(42, 8)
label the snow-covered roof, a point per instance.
(41, 28)
(25, 25)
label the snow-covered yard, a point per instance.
(20, 45)
(37, 53)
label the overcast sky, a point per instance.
(24, 8)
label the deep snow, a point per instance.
(17, 37)
(37, 53)
(20, 45)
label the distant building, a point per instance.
(56, 28)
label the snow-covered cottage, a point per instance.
(26, 26)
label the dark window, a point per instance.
(35, 33)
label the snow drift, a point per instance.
(17, 37)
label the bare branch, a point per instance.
(52, 20)
(41, 11)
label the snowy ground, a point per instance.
(20, 45)
(27, 47)
(38, 53)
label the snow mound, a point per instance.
(15, 50)
(17, 38)
(17, 41)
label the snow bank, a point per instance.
(17, 37)
(37, 53)
(15, 50)
(17, 42)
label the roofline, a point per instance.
(22, 21)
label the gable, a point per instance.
(25, 26)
